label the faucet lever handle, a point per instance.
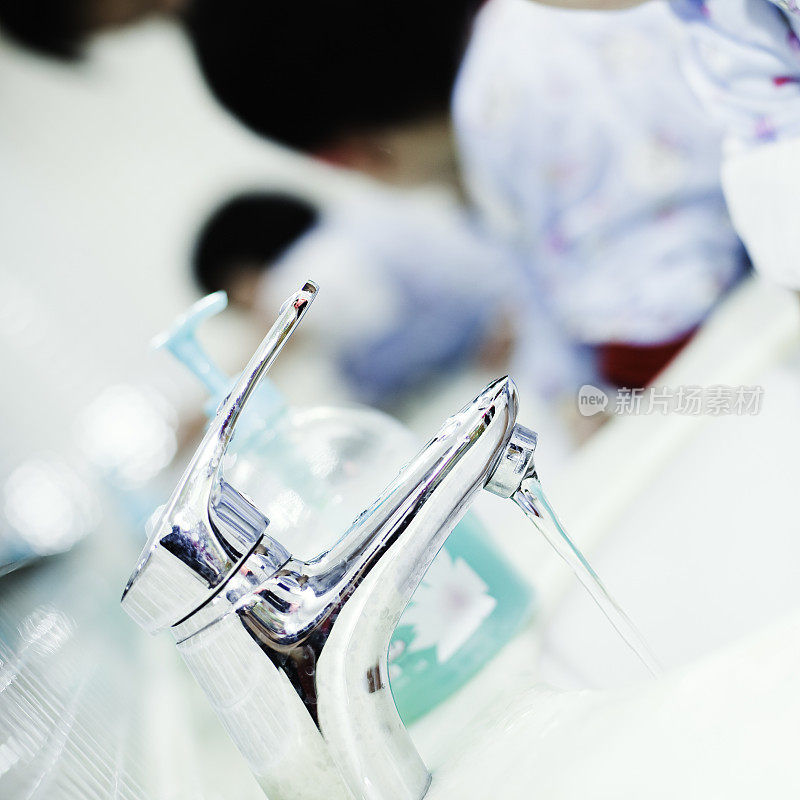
(207, 529)
(221, 430)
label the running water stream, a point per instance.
(531, 499)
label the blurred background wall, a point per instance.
(129, 146)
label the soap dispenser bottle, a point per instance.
(311, 471)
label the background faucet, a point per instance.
(292, 653)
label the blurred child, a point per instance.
(577, 127)
(579, 136)
(410, 289)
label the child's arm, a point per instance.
(745, 64)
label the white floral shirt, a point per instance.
(581, 140)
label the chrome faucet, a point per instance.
(292, 653)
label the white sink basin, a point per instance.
(706, 554)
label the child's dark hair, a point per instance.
(250, 228)
(54, 28)
(307, 72)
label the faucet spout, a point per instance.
(376, 568)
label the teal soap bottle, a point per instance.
(311, 471)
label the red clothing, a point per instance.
(635, 366)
